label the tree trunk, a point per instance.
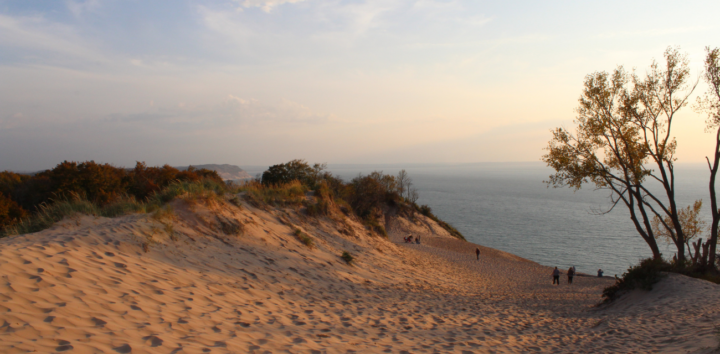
(713, 203)
(645, 233)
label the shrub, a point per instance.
(100, 184)
(347, 257)
(48, 214)
(123, 206)
(642, 276)
(304, 238)
(427, 211)
(230, 227)
(323, 201)
(10, 212)
(202, 189)
(295, 170)
(375, 226)
(292, 193)
(234, 200)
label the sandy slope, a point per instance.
(86, 285)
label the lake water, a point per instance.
(507, 206)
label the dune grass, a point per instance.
(50, 213)
(292, 193)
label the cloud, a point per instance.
(36, 37)
(78, 8)
(231, 112)
(266, 5)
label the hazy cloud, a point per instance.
(266, 5)
(78, 8)
(35, 37)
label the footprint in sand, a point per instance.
(123, 349)
(98, 322)
(154, 341)
(63, 345)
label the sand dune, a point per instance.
(225, 279)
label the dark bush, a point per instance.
(370, 193)
(642, 276)
(10, 212)
(295, 170)
(304, 238)
(100, 184)
(10, 181)
(347, 257)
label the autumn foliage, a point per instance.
(100, 184)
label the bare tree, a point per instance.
(710, 103)
(413, 195)
(623, 144)
(403, 179)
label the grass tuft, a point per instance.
(292, 193)
(304, 238)
(347, 257)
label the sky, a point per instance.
(261, 82)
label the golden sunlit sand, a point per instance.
(87, 285)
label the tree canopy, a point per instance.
(622, 142)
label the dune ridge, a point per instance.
(222, 278)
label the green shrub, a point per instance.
(304, 238)
(347, 257)
(427, 211)
(123, 206)
(641, 276)
(292, 193)
(376, 226)
(234, 200)
(230, 227)
(205, 189)
(48, 214)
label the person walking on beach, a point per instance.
(571, 274)
(556, 276)
(477, 253)
(600, 273)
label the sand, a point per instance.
(87, 285)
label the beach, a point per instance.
(180, 282)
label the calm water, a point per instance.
(508, 207)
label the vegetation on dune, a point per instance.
(368, 197)
(622, 143)
(347, 257)
(642, 276)
(33, 203)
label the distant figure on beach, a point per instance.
(556, 276)
(570, 274)
(410, 239)
(417, 240)
(477, 252)
(600, 273)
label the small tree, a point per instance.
(710, 103)
(290, 171)
(692, 225)
(623, 144)
(403, 180)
